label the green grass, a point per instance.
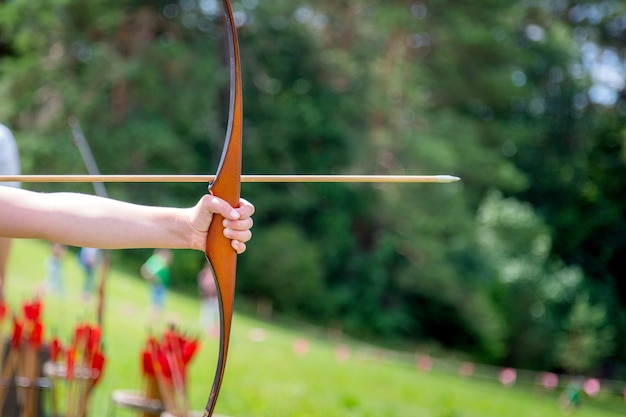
(266, 378)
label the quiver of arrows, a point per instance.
(164, 366)
(22, 355)
(75, 370)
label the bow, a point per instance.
(219, 252)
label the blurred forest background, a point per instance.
(521, 263)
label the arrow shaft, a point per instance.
(244, 178)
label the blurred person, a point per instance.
(156, 270)
(54, 271)
(570, 398)
(88, 259)
(209, 304)
(9, 165)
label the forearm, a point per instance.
(100, 222)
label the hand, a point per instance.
(237, 222)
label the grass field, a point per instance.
(265, 377)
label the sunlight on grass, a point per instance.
(265, 376)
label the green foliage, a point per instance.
(286, 269)
(588, 338)
(550, 324)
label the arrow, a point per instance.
(244, 178)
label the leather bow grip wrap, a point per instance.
(219, 252)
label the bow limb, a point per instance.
(219, 252)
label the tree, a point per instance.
(587, 337)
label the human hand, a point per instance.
(237, 222)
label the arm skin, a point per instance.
(86, 220)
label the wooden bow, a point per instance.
(226, 185)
